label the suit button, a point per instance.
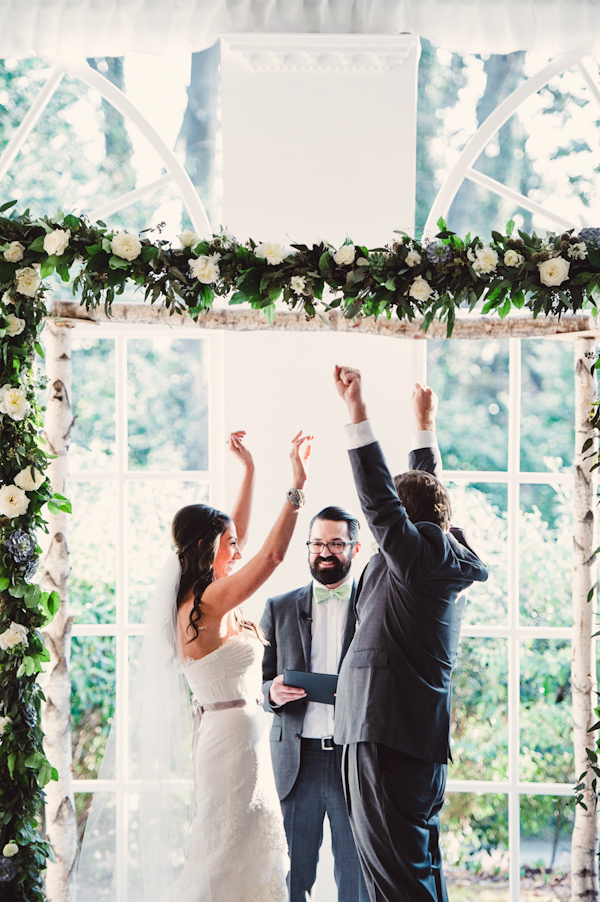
(297, 736)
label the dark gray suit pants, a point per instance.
(318, 791)
(394, 802)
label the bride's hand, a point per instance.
(235, 443)
(300, 456)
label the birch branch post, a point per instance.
(584, 861)
(61, 821)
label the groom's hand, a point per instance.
(348, 384)
(424, 405)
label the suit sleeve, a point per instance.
(269, 666)
(428, 459)
(409, 552)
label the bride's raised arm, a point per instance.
(227, 593)
(243, 503)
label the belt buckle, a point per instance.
(327, 743)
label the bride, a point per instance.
(235, 850)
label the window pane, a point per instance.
(545, 555)
(93, 436)
(481, 511)
(546, 827)
(152, 506)
(546, 712)
(547, 405)
(479, 711)
(101, 860)
(471, 379)
(93, 671)
(92, 552)
(474, 846)
(167, 404)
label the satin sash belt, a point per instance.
(210, 706)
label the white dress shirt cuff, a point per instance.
(359, 434)
(424, 439)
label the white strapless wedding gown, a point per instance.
(237, 839)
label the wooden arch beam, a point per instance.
(476, 327)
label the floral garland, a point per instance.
(408, 278)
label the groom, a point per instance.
(393, 699)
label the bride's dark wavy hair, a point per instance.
(197, 530)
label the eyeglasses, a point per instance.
(332, 547)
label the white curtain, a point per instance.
(113, 27)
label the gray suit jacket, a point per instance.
(287, 621)
(394, 685)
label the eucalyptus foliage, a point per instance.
(24, 608)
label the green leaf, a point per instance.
(37, 244)
(4, 583)
(7, 206)
(48, 266)
(148, 253)
(11, 760)
(518, 299)
(510, 227)
(118, 263)
(505, 309)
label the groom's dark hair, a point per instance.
(424, 498)
(338, 513)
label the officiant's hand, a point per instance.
(280, 694)
(349, 387)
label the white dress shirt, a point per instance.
(327, 631)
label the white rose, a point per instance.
(272, 252)
(14, 635)
(554, 271)
(205, 269)
(126, 246)
(484, 260)
(28, 281)
(420, 289)
(13, 501)
(4, 722)
(24, 480)
(15, 325)
(7, 299)
(15, 252)
(298, 284)
(345, 255)
(189, 238)
(577, 251)
(512, 258)
(13, 401)
(413, 258)
(56, 242)
(10, 849)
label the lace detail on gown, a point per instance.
(237, 837)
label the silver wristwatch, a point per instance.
(296, 497)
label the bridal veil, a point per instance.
(137, 829)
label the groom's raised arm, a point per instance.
(425, 453)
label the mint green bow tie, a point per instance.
(322, 593)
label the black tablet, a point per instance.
(320, 687)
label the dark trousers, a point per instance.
(318, 791)
(393, 803)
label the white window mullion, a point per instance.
(122, 664)
(514, 819)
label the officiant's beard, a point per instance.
(329, 576)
